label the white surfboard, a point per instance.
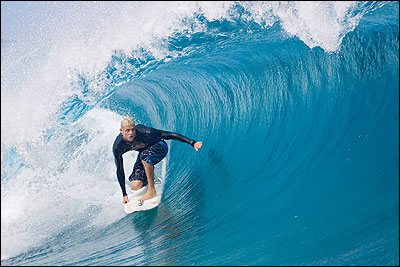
(159, 180)
(135, 205)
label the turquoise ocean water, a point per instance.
(296, 103)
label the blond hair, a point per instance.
(127, 122)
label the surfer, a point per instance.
(152, 148)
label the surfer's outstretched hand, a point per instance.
(197, 145)
(125, 200)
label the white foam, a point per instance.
(317, 23)
(61, 182)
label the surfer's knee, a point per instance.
(146, 164)
(136, 185)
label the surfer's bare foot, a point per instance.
(149, 194)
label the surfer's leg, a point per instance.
(151, 191)
(136, 185)
(138, 177)
(150, 157)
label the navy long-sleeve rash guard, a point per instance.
(145, 137)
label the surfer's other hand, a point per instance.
(125, 200)
(197, 145)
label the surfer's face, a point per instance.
(128, 133)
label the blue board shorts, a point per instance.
(153, 155)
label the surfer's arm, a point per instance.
(156, 133)
(119, 163)
(175, 136)
(182, 138)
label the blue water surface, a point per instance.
(300, 156)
